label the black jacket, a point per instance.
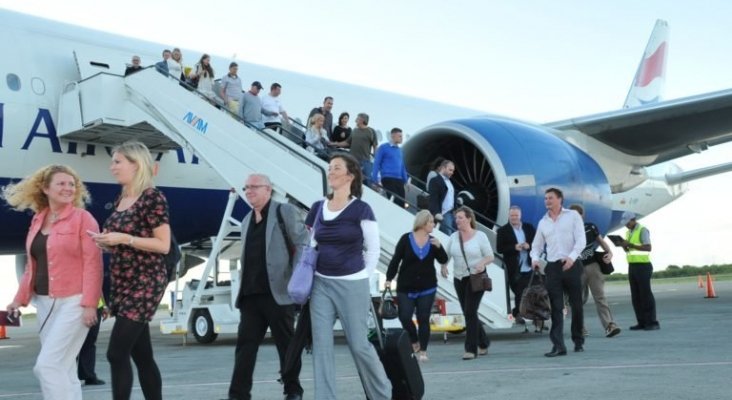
(506, 245)
(438, 190)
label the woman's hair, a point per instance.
(469, 214)
(138, 154)
(437, 163)
(28, 193)
(314, 118)
(421, 220)
(354, 168)
(206, 67)
(180, 55)
(343, 114)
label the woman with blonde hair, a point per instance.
(138, 236)
(472, 253)
(316, 136)
(63, 276)
(414, 261)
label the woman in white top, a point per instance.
(204, 73)
(471, 253)
(175, 64)
(316, 136)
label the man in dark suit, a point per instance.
(263, 301)
(443, 197)
(514, 242)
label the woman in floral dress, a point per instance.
(138, 236)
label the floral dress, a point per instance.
(138, 278)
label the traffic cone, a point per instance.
(2, 332)
(700, 282)
(711, 294)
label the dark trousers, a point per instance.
(259, 312)
(423, 305)
(394, 187)
(557, 283)
(132, 339)
(475, 335)
(88, 352)
(644, 304)
(520, 283)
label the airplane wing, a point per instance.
(666, 130)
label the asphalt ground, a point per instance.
(689, 358)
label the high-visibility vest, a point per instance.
(634, 238)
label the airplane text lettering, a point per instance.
(45, 117)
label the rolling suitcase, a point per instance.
(400, 363)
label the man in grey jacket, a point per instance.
(267, 260)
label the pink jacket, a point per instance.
(74, 260)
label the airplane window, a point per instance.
(39, 87)
(13, 82)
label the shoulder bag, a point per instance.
(301, 282)
(478, 282)
(605, 268)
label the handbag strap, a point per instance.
(462, 250)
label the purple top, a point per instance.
(340, 240)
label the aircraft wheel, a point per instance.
(203, 327)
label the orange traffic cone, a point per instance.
(700, 282)
(2, 332)
(711, 294)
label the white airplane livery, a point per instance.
(64, 100)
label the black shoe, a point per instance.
(652, 327)
(293, 396)
(555, 353)
(638, 327)
(578, 348)
(94, 381)
(520, 321)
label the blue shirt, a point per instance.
(389, 163)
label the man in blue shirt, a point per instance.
(162, 66)
(389, 171)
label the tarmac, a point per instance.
(690, 357)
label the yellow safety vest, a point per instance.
(634, 255)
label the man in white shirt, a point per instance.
(563, 233)
(272, 110)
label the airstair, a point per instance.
(107, 109)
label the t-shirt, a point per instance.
(251, 108)
(231, 86)
(272, 105)
(591, 234)
(361, 141)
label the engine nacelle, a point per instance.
(503, 162)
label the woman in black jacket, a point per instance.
(414, 261)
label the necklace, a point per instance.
(54, 217)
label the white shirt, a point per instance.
(564, 237)
(476, 248)
(272, 105)
(523, 254)
(174, 68)
(449, 202)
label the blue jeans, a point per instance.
(447, 226)
(366, 168)
(423, 306)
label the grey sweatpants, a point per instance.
(349, 300)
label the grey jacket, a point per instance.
(279, 270)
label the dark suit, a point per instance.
(506, 242)
(437, 190)
(272, 309)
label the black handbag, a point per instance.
(388, 308)
(605, 268)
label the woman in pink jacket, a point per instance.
(63, 276)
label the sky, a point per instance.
(540, 61)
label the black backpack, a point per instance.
(172, 258)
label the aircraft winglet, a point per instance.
(648, 84)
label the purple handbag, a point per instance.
(301, 282)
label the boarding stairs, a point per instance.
(104, 108)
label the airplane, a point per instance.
(607, 162)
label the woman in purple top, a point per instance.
(347, 238)
(414, 260)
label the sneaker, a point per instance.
(612, 330)
(422, 357)
(469, 356)
(482, 351)
(585, 332)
